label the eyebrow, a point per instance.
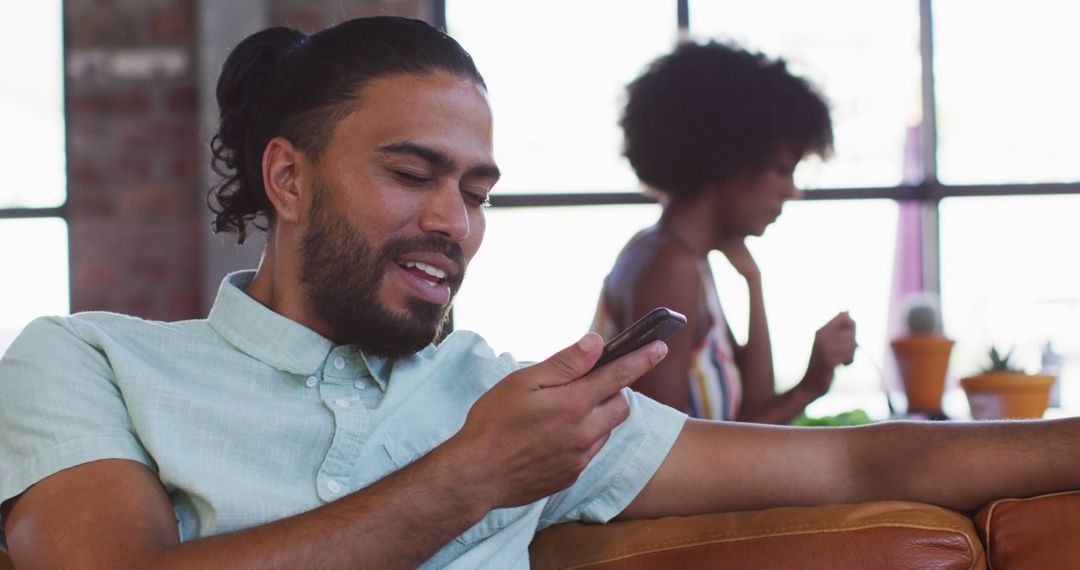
(438, 159)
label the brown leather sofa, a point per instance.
(1038, 533)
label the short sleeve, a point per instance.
(59, 407)
(623, 467)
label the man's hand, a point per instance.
(834, 344)
(534, 432)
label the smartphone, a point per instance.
(659, 324)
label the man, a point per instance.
(308, 423)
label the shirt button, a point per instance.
(333, 486)
(339, 363)
(311, 381)
(342, 403)
(359, 385)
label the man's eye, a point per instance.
(411, 178)
(477, 199)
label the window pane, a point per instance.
(532, 289)
(35, 273)
(31, 108)
(1007, 88)
(1010, 278)
(863, 57)
(532, 296)
(555, 72)
(821, 258)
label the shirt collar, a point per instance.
(272, 338)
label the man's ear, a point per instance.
(282, 169)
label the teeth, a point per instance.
(432, 271)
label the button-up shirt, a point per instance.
(248, 417)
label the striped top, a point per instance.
(715, 384)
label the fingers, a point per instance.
(607, 415)
(836, 341)
(605, 382)
(596, 427)
(571, 362)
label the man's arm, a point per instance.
(527, 438)
(115, 514)
(722, 467)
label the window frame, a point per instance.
(62, 210)
(928, 193)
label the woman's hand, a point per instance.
(834, 344)
(739, 256)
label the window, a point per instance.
(957, 116)
(555, 79)
(31, 200)
(1007, 91)
(865, 63)
(533, 287)
(38, 280)
(1010, 278)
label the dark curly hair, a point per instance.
(705, 113)
(282, 82)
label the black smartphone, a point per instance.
(659, 324)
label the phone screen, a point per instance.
(659, 324)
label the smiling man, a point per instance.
(309, 421)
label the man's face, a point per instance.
(757, 200)
(397, 211)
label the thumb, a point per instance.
(573, 361)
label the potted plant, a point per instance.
(922, 355)
(1003, 391)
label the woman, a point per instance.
(717, 132)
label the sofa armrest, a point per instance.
(1039, 532)
(883, 534)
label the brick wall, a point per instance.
(136, 192)
(313, 15)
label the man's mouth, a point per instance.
(426, 281)
(429, 273)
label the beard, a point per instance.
(340, 274)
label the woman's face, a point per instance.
(755, 200)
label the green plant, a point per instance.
(1001, 364)
(922, 319)
(856, 417)
(922, 316)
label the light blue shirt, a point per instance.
(248, 417)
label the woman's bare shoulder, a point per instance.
(651, 250)
(651, 261)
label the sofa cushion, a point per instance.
(883, 534)
(1040, 532)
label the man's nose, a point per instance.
(446, 213)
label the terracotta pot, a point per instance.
(923, 360)
(1007, 395)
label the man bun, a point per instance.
(245, 79)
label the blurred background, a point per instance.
(956, 172)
